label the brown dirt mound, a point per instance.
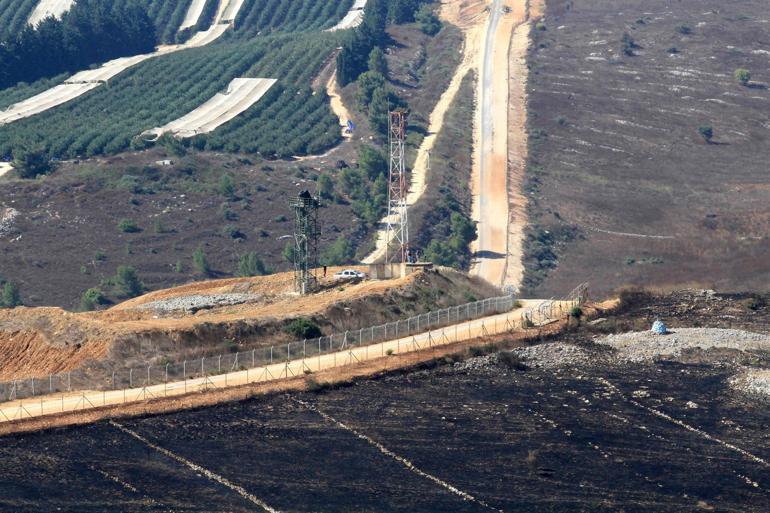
(36, 342)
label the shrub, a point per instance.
(233, 232)
(325, 186)
(200, 262)
(91, 299)
(756, 302)
(100, 256)
(303, 328)
(576, 312)
(627, 44)
(11, 295)
(707, 132)
(512, 360)
(427, 20)
(226, 187)
(127, 283)
(128, 226)
(743, 76)
(31, 163)
(684, 29)
(251, 265)
(389, 352)
(377, 61)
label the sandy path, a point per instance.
(490, 179)
(193, 14)
(89, 399)
(338, 107)
(353, 18)
(241, 94)
(418, 175)
(5, 167)
(47, 8)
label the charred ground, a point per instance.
(517, 438)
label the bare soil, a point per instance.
(623, 188)
(41, 341)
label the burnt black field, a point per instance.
(532, 440)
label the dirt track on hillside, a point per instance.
(466, 16)
(490, 180)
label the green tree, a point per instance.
(339, 253)
(368, 83)
(226, 186)
(325, 186)
(11, 295)
(250, 264)
(377, 62)
(91, 299)
(372, 162)
(427, 20)
(743, 76)
(288, 252)
(31, 162)
(707, 132)
(200, 262)
(127, 282)
(440, 253)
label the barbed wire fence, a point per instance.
(140, 378)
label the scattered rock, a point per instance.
(193, 303)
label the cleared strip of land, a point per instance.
(353, 18)
(82, 82)
(193, 14)
(47, 8)
(241, 94)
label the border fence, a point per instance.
(305, 350)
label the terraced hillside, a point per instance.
(262, 17)
(291, 119)
(625, 188)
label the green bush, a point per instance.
(31, 163)
(200, 262)
(251, 265)
(427, 20)
(91, 299)
(303, 328)
(11, 295)
(126, 282)
(227, 187)
(128, 226)
(707, 132)
(743, 76)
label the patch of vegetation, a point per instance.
(200, 262)
(250, 264)
(11, 297)
(128, 226)
(92, 299)
(743, 76)
(707, 133)
(303, 329)
(126, 282)
(91, 32)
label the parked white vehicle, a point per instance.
(349, 274)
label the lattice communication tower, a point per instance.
(397, 249)
(306, 235)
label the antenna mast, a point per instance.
(398, 222)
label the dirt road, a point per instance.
(419, 173)
(91, 399)
(490, 181)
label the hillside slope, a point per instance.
(624, 189)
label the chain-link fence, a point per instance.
(154, 374)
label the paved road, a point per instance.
(89, 399)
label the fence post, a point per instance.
(165, 381)
(130, 378)
(184, 375)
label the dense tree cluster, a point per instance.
(291, 119)
(91, 32)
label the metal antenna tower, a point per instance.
(398, 222)
(305, 242)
